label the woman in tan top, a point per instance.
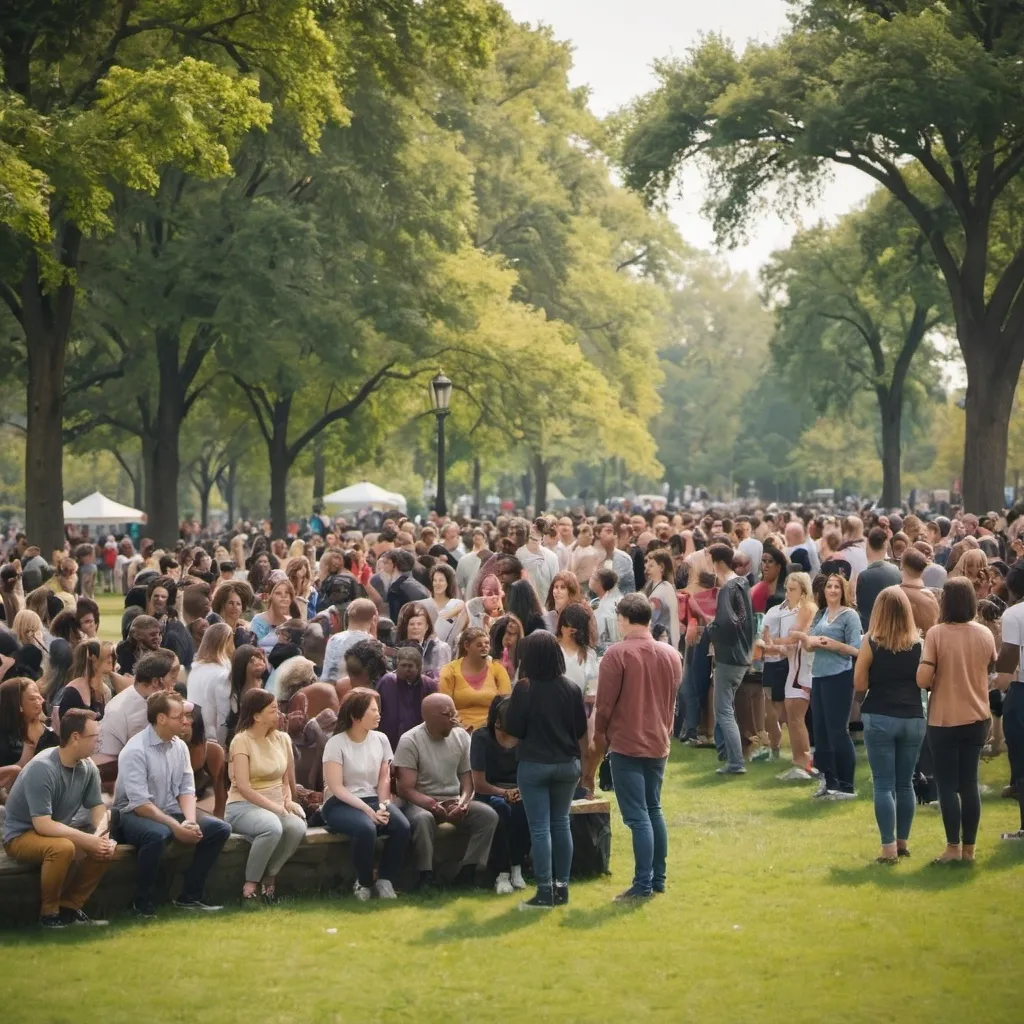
(958, 655)
(262, 800)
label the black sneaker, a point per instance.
(561, 894)
(69, 916)
(634, 895)
(52, 921)
(543, 900)
(147, 911)
(189, 903)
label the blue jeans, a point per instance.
(547, 791)
(695, 685)
(350, 821)
(893, 745)
(727, 682)
(638, 791)
(831, 703)
(151, 837)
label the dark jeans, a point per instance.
(638, 791)
(150, 838)
(696, 683)
(511, 842)
(547, 791)
(956, 753)
(350, 821)
(831, 703)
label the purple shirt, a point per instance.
(400, 704)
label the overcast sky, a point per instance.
(615, 44)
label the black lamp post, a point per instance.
(440, 396)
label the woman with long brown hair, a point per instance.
(280, 607)
(958, 656)
(564, 590)
(23, 729)
(301, 578)
(357, 793)
(93, 661)
(415, 629)
(263, 801)
(893, 713)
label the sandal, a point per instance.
(887, 860)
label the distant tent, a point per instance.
(365, 494)
(98, 510)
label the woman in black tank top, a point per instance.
(894, 724)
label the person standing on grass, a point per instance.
(262, 802)
(156, 800)
(834, 638)
(547, 716)
(48, 794)
(732, 638)
(958, 655)
(893, 711)
(1010, 679)
(636, 695)
(357, 793)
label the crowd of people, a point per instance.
(483, 675)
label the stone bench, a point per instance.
(322, 864)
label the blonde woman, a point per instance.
(281, 606)
(973, 565)
(209, 681)
(87, 689)
(28, 629)
(301, 578)
(893, 713)
(793, 616)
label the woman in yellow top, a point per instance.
(473, 680)
(261, 802)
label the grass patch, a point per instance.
(774, 912)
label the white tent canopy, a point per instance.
(363, 494)
(99, 510)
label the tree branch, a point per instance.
(10, 298)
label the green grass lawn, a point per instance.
(773, 913)
(111, 608)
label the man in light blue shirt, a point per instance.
(155, 799)
(620, 561)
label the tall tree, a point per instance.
(101, 92)
(921, 95)
(854, 305)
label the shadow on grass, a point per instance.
(466, 926)
(930, 877)
(598, 916)
(805, 807)
(1006, 855)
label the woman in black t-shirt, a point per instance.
(894, 725)
(546, 714)
(492, 757)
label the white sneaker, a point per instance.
(838, 794)
(821, 792)
(503, 884)
(362, 892)
(385, 890)
(761, 754)
(1013, 836)
(794, 774)
(518, 882)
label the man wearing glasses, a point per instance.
(156, 801)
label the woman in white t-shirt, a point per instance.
(357, 791)
(581, 660)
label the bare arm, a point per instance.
(1006, 665)
(408, 779)
(861, 667)
(484, 788)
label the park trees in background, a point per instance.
(925, 97)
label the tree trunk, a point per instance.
(527, 487)
(46, 322)
(226, 483)
(993, 369)
(280, 464)
(890, 405)
(206, 485)
(319, 468)
(477, 502)
(540, 477)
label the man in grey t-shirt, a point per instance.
(49, 791)
(436, 783)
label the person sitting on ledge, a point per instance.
(262, 800)
(357, 793)
(156, 800)
(436, 782)
(50, 791)
(23, 730)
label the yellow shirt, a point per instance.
(269, 759)
(473, 702)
